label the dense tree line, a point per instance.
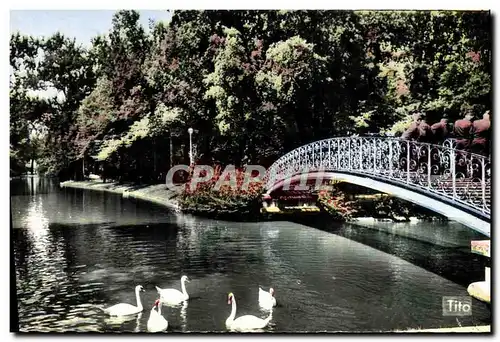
(252, 84)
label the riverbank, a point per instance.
(158, 193)
(472, 329)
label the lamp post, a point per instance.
(190, 131)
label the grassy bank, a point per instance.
(157, 193)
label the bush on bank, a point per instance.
(343, 204)
(336, 204)
(206, 198)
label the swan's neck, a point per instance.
(159, 309)
(233, 311)
(183, 287)
(138, 298)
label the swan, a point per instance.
(125, 309)
(244, 323)
(156, 321)
(174, 296)
(267, 299)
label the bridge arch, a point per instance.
(454, 183)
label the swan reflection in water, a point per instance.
(138, 323)
(183, 315)
(182, 306)
(117, 321)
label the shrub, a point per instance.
(335, 203)
(226, 197)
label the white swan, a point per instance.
(174, 296)
(267, 299)
(125, 309)
(244, 323)
(156, 321)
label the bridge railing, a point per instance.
(460, 176)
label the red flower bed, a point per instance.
(226, 193)
(336, 204)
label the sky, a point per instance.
(80, 24)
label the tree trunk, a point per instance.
(120, 167)
(104, 172)
(171, 164)
(154, 157)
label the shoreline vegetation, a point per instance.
(176, 200)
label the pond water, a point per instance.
(77, 251)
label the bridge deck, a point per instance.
(456, 178)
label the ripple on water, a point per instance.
(353, 280)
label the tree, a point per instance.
(67, 71)
(286, 82)
(253, 85)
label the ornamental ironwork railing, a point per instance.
(453, 175)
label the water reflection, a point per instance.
(138, 323)
(117, 321)
(36, 221)
(67, 267)
(44, 265)
(32, 186)
(183, 315)
(444, 234)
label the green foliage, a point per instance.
(138, 130)
(94, 115)
(165, 119)
(225, 83)
(293, 64)
(253, 84)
